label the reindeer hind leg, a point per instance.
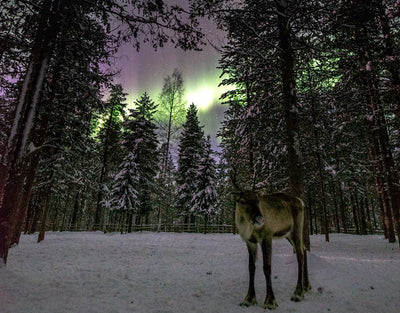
(306, 281)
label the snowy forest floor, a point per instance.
(174, 273)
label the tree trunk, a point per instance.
(295, 166)
(103, 172)
(340, 190)
(27, 106)
(355, 217)
(205, 223)
(74, 219)
(387, 37)
(368, 212)
(320, 169)
(335, 205)
(379, 132)
(43, 220)
(361, 215)
(130, 221)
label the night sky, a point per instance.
(144, 71)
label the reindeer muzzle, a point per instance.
(258, 221)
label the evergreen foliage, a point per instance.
(141, 141)
(205, 199)
(190, 153)
(124, 193)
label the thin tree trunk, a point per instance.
(355, 217)
(361, 216)
(335, 205)
(74, 219)
(43, 220)
(103, 172)
(321, 175)
(368, 212)
(130, 221)
(34, 216)
(205, 223)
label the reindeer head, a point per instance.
(247, 202)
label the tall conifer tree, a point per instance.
(190, 153)
(205, 198)
(141, 140)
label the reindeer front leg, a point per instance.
(299, 291)
(251, 294)
(266, 246)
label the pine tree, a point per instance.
(190, 152)
(205, 199)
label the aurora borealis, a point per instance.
(144, 71)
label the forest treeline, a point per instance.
(313, 109)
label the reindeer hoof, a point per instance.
(270, 304)
(248, 302)
(297, 297)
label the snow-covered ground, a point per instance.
(174, 273)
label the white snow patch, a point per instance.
(169, 272)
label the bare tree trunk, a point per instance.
(368, 212)
(74, 219)
(130, 221)
(335, 205)
(361, 215)
(43, 220)
(355, 216)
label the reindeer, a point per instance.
(260, 219)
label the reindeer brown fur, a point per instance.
(260, 219)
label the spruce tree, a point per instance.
(190, 152)
(205, 198)
(141, 140)
(123, 197)
(124, 193)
